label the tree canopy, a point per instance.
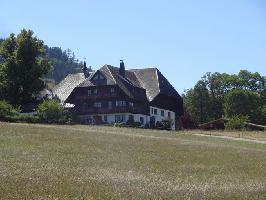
(63, 63)
(22, 67)
(221, 94)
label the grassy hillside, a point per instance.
(80, 162)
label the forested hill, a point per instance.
(63, 63)
(1, 40)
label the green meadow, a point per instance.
(93, 162)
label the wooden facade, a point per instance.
(112, 90)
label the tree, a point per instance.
(63, 63)
(243, 102)
(218, 87)
(51, 111)
(22, 68)
(197, 102)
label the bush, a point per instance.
(164, 124)
(7, 110)
(119, 124)
(51, 111)
(236, 122)
(187, 122)
(26, 118)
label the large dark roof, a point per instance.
(65, 87)
(150, 79)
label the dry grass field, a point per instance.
(80, 162)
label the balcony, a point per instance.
(97, 96)
(89, 111)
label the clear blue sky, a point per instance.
(184, 39)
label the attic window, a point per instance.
(98, 76)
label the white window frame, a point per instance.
(97, 104)
(120, 103)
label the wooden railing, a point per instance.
(89, 111)
(97, 96)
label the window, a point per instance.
(155, 111)
(95, 91)
(162, 113)
(151, 110)
(105, 118)
(97, 105)
(141, 119)
(169, 114)
(101, 77)
(98, 76)
(121, 103)
(130, 119)
(119, 118)
(89, 92)
(112, 90)
(131, 104)
(110, 104)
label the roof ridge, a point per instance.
(111, 72)
(143, 68)
(158, 80)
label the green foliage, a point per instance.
(242, 102)
(25, 118)
(7, 110)
(51, 111)
(22, 67)
(63, 63)
(197, 102)
(219, 94)
(164, 124)
(236, 122)
(118, 124)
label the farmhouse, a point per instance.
(113, 94)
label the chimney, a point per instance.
(85, 70)
(122, 70)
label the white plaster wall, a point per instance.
(111, 117)
(159, 117)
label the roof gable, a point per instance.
(134, 84)
(152, 80)
(98, 76)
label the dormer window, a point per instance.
(98, 76)
(89, 92)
